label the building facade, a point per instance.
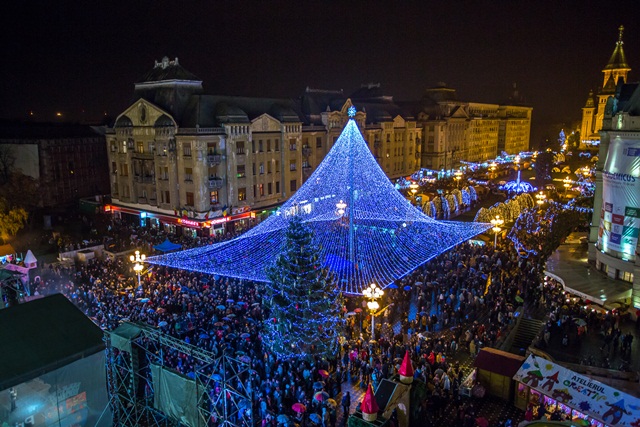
(456, 131)
(182, 158)
(593, 112)
(615, 225)
(68, 161)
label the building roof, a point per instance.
(43, 335)
(629, 99)
(618, 59)
(498, 361)
(167, 70)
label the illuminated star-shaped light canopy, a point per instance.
(351, 111)
(366, 231)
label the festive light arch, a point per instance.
(378, 237)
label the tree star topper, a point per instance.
(351, 111)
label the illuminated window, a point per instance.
(261, 189)
(140, 147)
(213, 197)
(240, 172)
(186, 149)
(261, 168)
(188, 174)
(242, 194)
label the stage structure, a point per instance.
(366, 230)
(145, 389)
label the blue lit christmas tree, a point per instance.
(365, 230)
(304, 305)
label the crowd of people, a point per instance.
(459, 301)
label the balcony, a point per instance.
(215, 183)
(214, 159)
(306, 151)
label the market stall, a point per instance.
(561, 394)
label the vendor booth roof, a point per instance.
(43, 335)
(498, 361)
(167, 246)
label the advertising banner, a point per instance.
(620, 215)
(588, 396)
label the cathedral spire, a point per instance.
(618, 59)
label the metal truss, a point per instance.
(223, 383)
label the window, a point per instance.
(211, 148)
(240, 173)
(126, 191)
(213, 197)
(269, 166)
(242, 194)
(277, 186)
(277, 144)
(318, 142)
(292, 165)
(253, 146)
(261, 188)
(189, 199)
(240, 147)
(253, 169)
(114, 168)
(261, 168)
(277, 166)
(292, 144)
(186, 149)
(124, 146)
(260, 147)
(140, 147)
(269, 188)
(254, 191)
(167, 197)
(165, 173)
(188, 174)
(293, 185)
(305, 164)
(125, 169)
(268, 145)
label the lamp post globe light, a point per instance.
(341, 206)
(540, 198)
(492, 169)
(496, 222)
(414, 190)
(457, 176)
(567, 184)
(372, 293)
(138, 259)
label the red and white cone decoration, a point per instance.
(406, 369)
(369, 406)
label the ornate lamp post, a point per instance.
(341, 206)
(540, 199)
(414, 190)
(457, 176)
(138, 259)
(372, 293)
(496, 222)
(567, 184)
(492, 168)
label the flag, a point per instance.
(486, 289)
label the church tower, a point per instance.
(592, 115)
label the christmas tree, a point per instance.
(305, 306)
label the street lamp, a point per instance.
(567, 184)
(492, 168)
(496, 222)
(372, 293)
(414, 189)
(540, 198)
(457, 176)
(138, 259)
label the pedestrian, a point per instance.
(13, 395)
(346, 405)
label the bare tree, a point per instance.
(7, 162)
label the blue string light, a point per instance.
(379, 238)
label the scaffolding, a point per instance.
(222, 385)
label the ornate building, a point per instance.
(179, 157)
(457, 131)
(593, 112)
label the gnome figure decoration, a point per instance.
(406, 370)
(369, 406)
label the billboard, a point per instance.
(620, 214)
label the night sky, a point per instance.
(82, 58)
